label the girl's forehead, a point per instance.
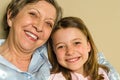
(68, 32)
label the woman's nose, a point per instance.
(39, 26)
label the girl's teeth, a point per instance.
(71, 60)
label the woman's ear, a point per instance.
(9, 19)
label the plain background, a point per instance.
(102, 17)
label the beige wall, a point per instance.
(3, 5)
(102, 18)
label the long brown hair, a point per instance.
(91, 67)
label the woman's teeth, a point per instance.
(32, 35)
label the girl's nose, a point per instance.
(70, 50)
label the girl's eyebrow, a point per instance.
(77, 39)
(59, 43)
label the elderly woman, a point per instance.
(29, 24)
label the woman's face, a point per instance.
(32, 26)
(71, 48)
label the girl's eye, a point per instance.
(60, 47)
(76, 43)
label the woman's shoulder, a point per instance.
(1, 41)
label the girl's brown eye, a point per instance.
(60, 47)
(77, 42)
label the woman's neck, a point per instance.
(19, 59)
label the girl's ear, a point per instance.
(88, 46)
(9, 19)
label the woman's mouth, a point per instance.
(31, 36)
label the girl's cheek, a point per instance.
(82, 49)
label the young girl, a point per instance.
(73, 54)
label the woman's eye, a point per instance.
(32, 14)
(49, 24)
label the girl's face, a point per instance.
(71, 48)
(32, 26)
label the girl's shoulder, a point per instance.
(102, 71)
(75, 76)
(56, 76)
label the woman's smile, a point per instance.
(31, 36)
